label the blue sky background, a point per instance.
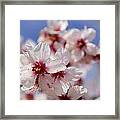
(31, 28)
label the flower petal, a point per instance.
(88, 34)
(76, 92)
(55, 66)
(77, 55)
(58, 88)
(46, 86)
(29, 45)
(73, 73)
(40, 96)
(26, 77)
(30, 55)
(72, 36)
(63, 55)
(24, 60)
(65, 86)
(91, 49)
(57, 25)
(42, 51)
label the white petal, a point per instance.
(42, 51)
(29, 45)
(63, 55)
(88, 34)
(40, 96)
(55, 66)
(76, 92)
(77, 55)
(65, 86)
(26, 76)
(24, 60)
(58, 88)
(91, 49)
(57, 25)
(73, 73)
(72, 36)
(28, 90)
(43, 37)
(37, 50)
(30, 56)
(66, 57)
(46, 86)
(58, 45)
(69, 46)
(63, 24)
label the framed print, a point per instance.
(59, 59)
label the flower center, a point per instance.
(53, 37)
(57, 29)
(81, 43)
(58, 75)
(39, 68)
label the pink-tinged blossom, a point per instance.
(56, 26)
(79, 43)
(52, 34)
(37, 62)
(62, 91)
(72, 93)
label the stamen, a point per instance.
(39, 68)
(53, 37)
(80, 43)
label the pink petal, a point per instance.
(28, 45)
(26, 77)
(72, 36)
(88, 34)
(30, 56)
(76, 92)
(58, 88)
(73, 74)
(63, 55)
(55, 66)
(42, 51)
(57, 25)
(91, 49)
(46, 86)
(24, 60)
(65, 86)
(77, 55)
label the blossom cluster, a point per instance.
(55, 67)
